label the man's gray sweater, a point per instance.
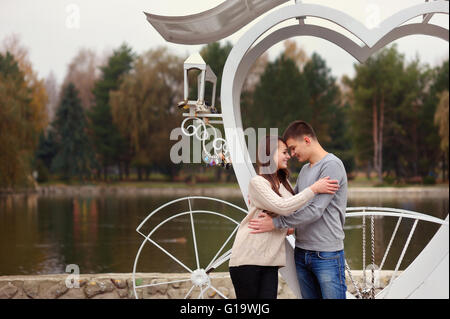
(319, 225)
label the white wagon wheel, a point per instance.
(414, 274)
(201, 276)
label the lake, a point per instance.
(44, 234)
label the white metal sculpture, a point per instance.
(427, 276)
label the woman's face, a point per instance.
(282, 155)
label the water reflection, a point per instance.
(43, 234)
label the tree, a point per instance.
(37, 87)
(52, 88)
(144, 108)
(18, 125)
(110, 146)
(304, 89)
(282, 90)
(75, 156)
(441, 119)
(38, 110)
(374, 93)
(403, 137)
(253, 77)
(393, 105)
(341, 143)
(296, 54)
(215, 55)
(45, 153)
(83, 72)
(438, 97)
(324, 97)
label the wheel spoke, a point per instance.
(401, 258)
(218, 292)
(221, 248)
(219, 261)
(201, 293)
(390, 243)
(169, 254)
(190, 290)
(194, 238)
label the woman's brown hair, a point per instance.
(267, 169)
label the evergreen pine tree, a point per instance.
(282, 90)
(45, 152)
(47, 147)
(75, 156)
(111, 147)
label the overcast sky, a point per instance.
(54, 30)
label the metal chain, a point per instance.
(357, 289)
(364, 293)
(364, 248)
(372, 230)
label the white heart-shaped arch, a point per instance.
(243, 55)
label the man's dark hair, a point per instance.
(298, 129)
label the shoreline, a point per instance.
(221, 191)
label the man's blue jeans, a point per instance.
(321, 275)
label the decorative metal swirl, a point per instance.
(220, 154)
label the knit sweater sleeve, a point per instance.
(263, 197)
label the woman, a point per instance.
(255, 258)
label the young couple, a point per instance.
(315, 208)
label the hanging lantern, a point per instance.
(195, 61)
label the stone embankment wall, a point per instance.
(120, 286)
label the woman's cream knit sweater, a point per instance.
(265, 249)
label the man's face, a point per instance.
(299, 148)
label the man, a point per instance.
(319, 225)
